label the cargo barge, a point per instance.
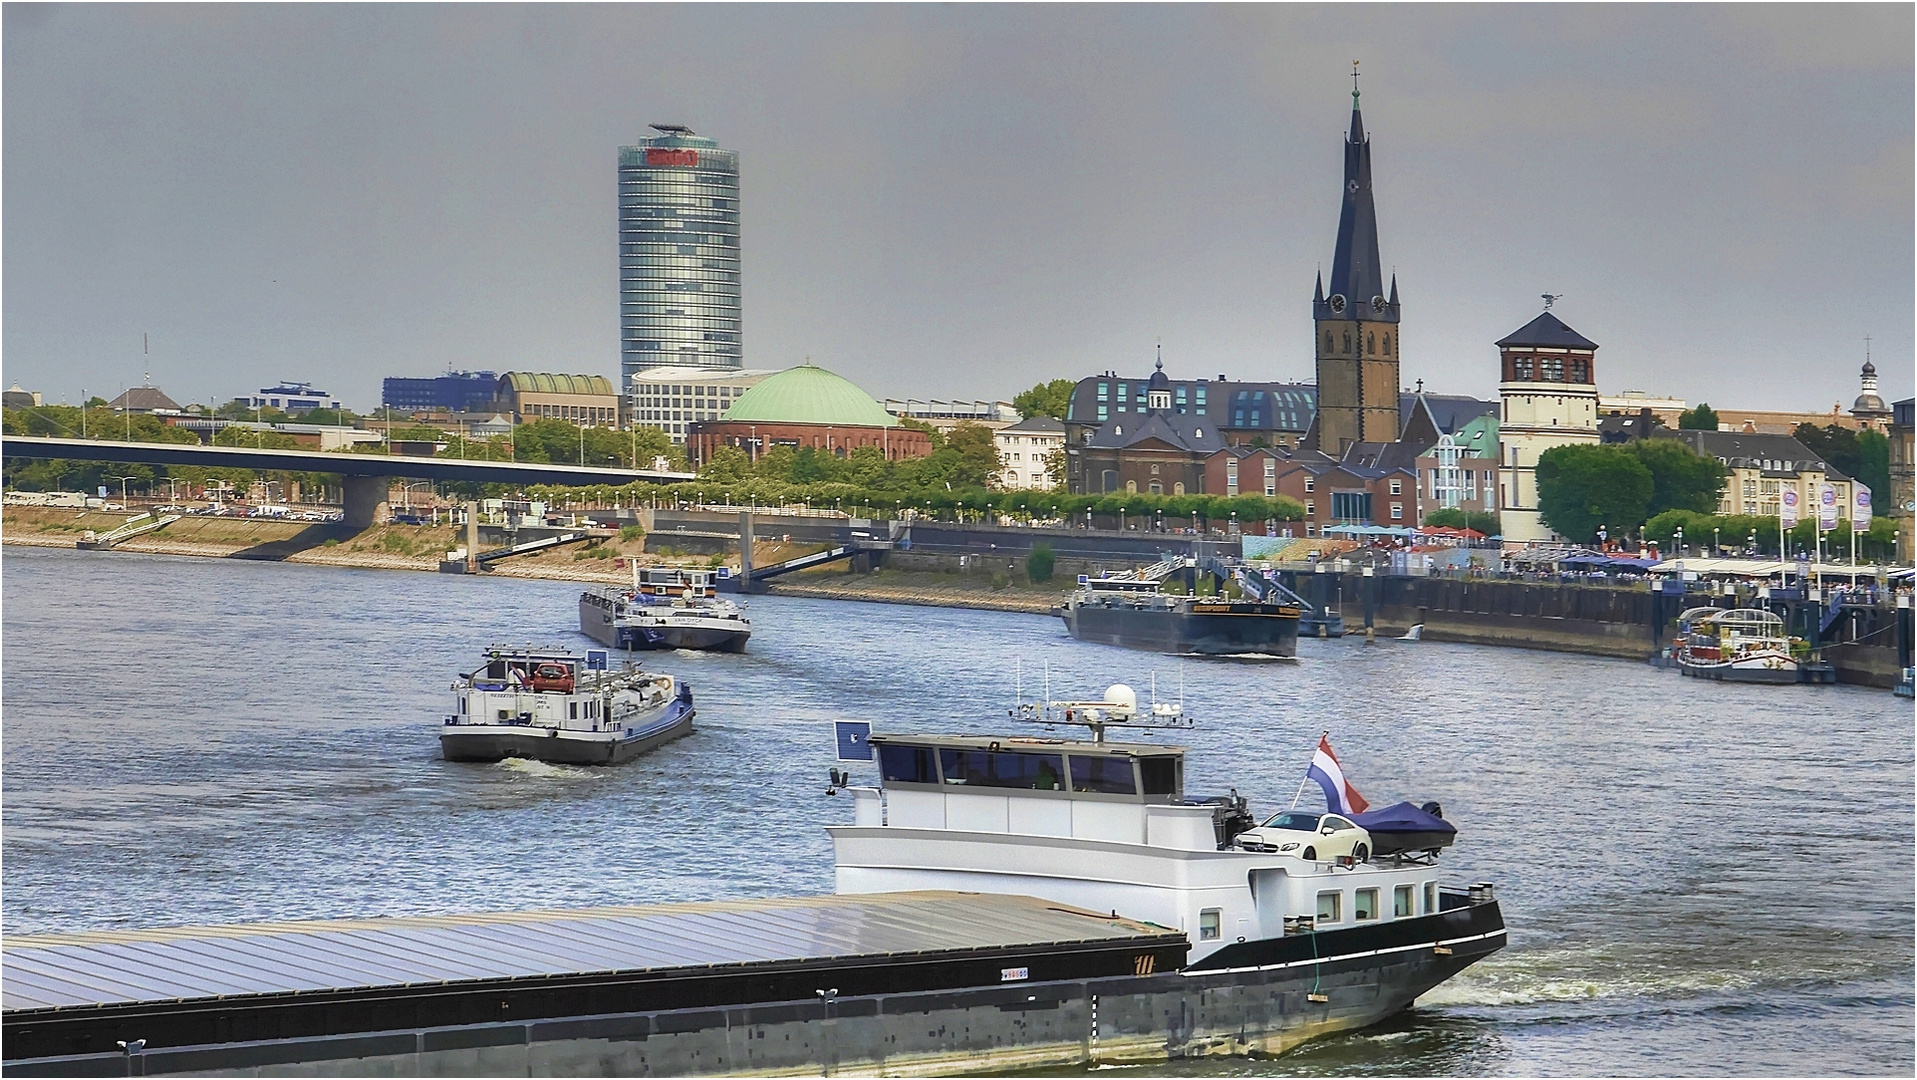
(1133, 610)
(665, 608)
(920, 983)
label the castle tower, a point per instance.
(1356, 324)
(1548, 395)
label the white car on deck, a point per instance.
(1309, 836)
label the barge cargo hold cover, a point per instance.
(351, 994)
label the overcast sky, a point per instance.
(959, 201)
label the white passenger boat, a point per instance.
(1734, 645)
(665, 608)
(559, 706)
(1362, 922)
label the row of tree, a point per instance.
(1747, 534)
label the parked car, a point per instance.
(1314, 837)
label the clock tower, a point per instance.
(1356, 323)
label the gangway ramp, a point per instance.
(529, 547)
(138, 525)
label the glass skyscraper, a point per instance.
(678, 254)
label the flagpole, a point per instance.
(1301, 784)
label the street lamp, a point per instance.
(1678, 541)
(123, 480)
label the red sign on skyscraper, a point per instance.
(688, 158)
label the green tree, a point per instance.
(775, 463)
(1038, 565)
(1873, 467)
(932, 434)
(979, 462)
(1055, 467)
(1681, 478)
(1477, 520)
(1053, 399)
(1582, 487)
(1702, 418)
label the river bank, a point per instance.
(419, 548)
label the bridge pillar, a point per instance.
(365, 498)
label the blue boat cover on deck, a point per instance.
(1403, 818)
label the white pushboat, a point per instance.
(1108, 826)
(559, 706)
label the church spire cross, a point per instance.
(1354, 85)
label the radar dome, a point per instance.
(1122, 696)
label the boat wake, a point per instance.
(544, 770)
(1575, 975)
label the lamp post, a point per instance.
(1678, 541)
(123, 480)
(1713, 540)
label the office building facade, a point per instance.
(678, 254)
(453, 392)
(672, 399)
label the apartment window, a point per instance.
(1208, 924)
(1309, 485)
(1401, 902)
(1330, 907)
(1397, 487)
(1311, 508)
(1397, 511)
(1364, 905)
(1430, 897)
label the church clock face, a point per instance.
(1378, 304)
(1338, 304)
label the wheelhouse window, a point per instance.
(1001, 769)
(1208, 924)
(1430, 897)
(1160, 775)
(1365, 905)
(1330, 907)
(1401, 902)
(1105, 775)
(907, 764)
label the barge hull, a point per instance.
(1247, 629)
(1069, 1023)
(996, 1009)
(549, 745)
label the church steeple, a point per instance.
(1357, 276)
(1356, 317)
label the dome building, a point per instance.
(806, 406)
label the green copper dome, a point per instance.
(808, 395)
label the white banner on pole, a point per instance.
(1827, 511)
(1787, 508)
(1859, 508)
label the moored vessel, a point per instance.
(558, 706)
(1131, 608)
(1735, 645)
(1346, 925)
(665, 608)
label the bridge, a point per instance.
(366, 478)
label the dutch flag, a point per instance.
(1340, 796)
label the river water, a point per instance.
(1699, 879)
